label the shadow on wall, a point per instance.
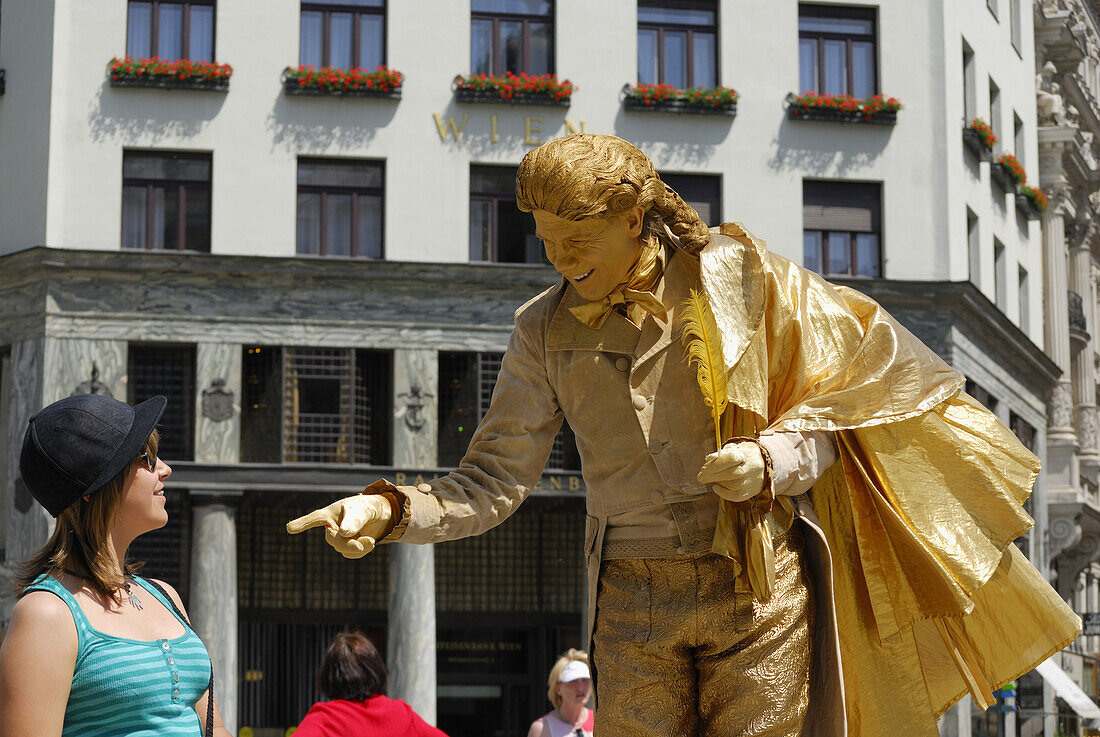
(327, 124)
(674, 140)
(150, 115)
(827, 149)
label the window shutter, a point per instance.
(841, 206)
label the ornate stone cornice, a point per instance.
(1074, 540)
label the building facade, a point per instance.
(323, 284)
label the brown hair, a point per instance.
(79, 541)
(586, 175)
(555, 673)
(352, 669)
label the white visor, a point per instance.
(573, 670)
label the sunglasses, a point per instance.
(149, 460)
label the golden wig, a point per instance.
(586, 175)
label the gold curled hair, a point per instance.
(587, 175)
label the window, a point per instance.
(343, 33)
(1000, 276)
(973, 247)
(1019, 143)
(466, 383)
(512, 36)
(836, 50)
(166, 201)
(1025, 307)
(171, 30)
(340, 208)
(841, 228)
(992, 5)
(498, 230)
(316, 405)
(1014, 22)
(970, 82)
(167, 370)
(995, 112)
(701, 191)
(1025, 433)
(984, 397)
(678, 43)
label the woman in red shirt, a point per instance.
(353, 678)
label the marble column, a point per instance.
(218, 402)
(956, 721)
(213, 592)
(27, 525)
(1084, 367)
(411, 630)
(1062, 472)
(1093, 606)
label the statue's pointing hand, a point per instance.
(352, 525)
(736, 472)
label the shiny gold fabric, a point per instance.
(922, 507)
(682, 649)
(635, 294)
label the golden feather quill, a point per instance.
(703, 347)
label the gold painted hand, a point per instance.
(352, 524)
(736, 472)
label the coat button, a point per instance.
(639, 402)
(622, 364)
(176, 694)
(656, 446)
(424, 487)
(656, 497)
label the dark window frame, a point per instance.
(357, 11)
(182, 185)
(185, 32)
(498, 199)
(691, 29)
(181, 405)
(328, 189)
(832, 11)
(497, 53)
(854, 262)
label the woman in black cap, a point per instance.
(92, 648)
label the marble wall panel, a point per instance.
(27, 524)
(218, 388)
(415, 407)
(82, 366)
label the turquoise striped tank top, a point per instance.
(131, 688)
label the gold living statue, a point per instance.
(798, 522)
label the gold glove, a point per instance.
(737, 472)
(352, 525)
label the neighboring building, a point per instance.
(323, 285)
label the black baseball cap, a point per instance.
(76, 445)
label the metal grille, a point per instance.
(167, 552)
(466, 383)
(301, 572)
(531, 563)
(336, 405)
(167, 370)
(261, 404)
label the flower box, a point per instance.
(877, 110)
(669, 99)
(513, 89)
(166, 74)
(354, 82)
(1002, 176)
(1031, 201)
(976, 145)
(979, 137)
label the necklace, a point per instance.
(135, 602)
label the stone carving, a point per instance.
(1087, 428)
(93, 385)
(1060, 406)
(217, 401)
(1064, 533)
(414, 406)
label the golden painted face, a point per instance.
(595, 254)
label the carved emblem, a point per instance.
(217, 401)
(414, 406)
(93, 385)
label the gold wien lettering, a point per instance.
(530, 130)
(454, 130)
(572, 128)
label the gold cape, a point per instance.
(932, 598)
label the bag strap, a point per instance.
(210, 692)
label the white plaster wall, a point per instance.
(256, 133)
(967, 186)
(26, 47)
